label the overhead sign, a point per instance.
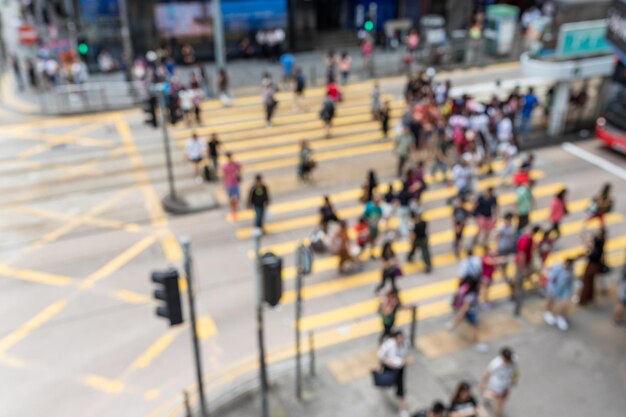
(583, 39)
(616, 34)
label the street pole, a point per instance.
(218, 35)
(71, 24)
(257, 234)
(127, 44)
(166, 144)
(186, 244)
(299, 274)
(519, 293)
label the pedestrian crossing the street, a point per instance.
(342, 308)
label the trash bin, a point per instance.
(500, 29)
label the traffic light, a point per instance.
(83, 47)
(168, 291)
(272, 273)
(150, 109)
(368, 25)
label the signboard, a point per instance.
(582, 39)
(182, 19)
(27, 34)
(252, 15)
(93, 10)
(617, 27)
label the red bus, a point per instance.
(611, 126)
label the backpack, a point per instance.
(459, 297)
(317, 242)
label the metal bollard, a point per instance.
(186, 403)
(413, 331)
(311, 355)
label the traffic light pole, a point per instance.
(186, 244)
(168, 154)
(218, 34)
(257, 234)
(299, 275)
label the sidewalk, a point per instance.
(571, 374)
(245, 75)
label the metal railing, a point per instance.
(92, 97)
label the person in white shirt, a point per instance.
(508, 150)
(504, 128)
(471, 266)
(500, 376)
(186, 103)
(194, 150)
(393, 355)
(462, 177)
(106, 63)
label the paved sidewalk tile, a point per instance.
(443, 342)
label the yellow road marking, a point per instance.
(108, 386)
(289, 150)
(446, 236)
(355, 193)
(360, 104)
(411, 296)
(151, 394)
(119, 261)
(236, 133)
(132, 297)
(156, 348)
(54, 140)
(11, 361)
(370, 277)
(321, 157)
(87, 169)
(206, 328)
(40, 319)
(311, 136)
(78, 220)
(437, 213)
(93, 221)
(35, 276)
(169, 244)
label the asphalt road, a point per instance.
(83, 228)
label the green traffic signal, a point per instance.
(369, 26)
(83, 48)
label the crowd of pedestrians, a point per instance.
(440, 138)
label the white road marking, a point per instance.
(595, 160)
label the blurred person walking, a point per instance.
(259, 200)
(231, 173)
(500, 377)
(328, 113)
(393, 356)
(559, 292)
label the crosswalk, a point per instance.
(340, 309)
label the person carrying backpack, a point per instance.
(465, 305)
(328, 113)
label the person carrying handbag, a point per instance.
(393, 356)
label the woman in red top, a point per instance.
(558, 210)
(333, 92)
